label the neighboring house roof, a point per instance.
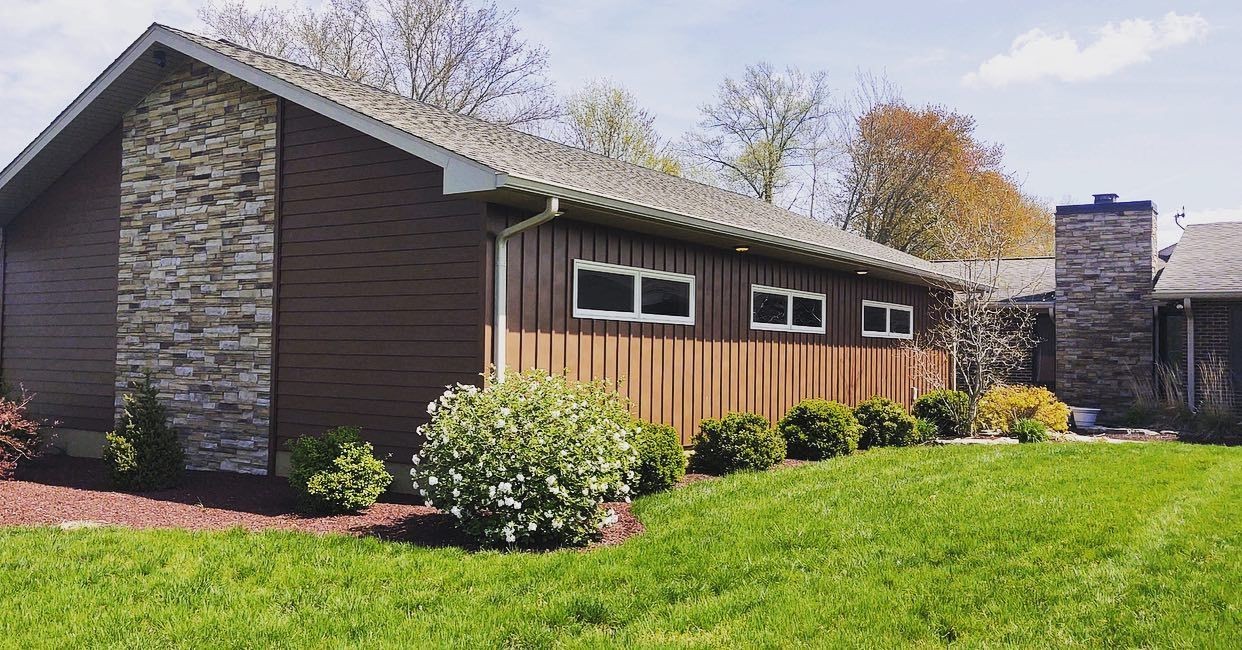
(477, 156)
(1018, 279)
(1206, 264)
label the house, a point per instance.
(282, 251)
(1109, 305)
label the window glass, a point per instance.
(603, 291)
(663, 297)
(769, 308)
(875, 319)
(808, 312)
(899, 321)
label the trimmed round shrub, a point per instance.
(924, 431)
(661, 459)
(947, 410)
(1002, 406)
(737, 442)
(336, 473)
(1028, 430)
(885, 423)
(817, 429)
(144, 453)
(529, 461)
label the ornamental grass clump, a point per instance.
(735, 443)
(144, 453)
(336, 473)
(1028, 430)
(885, 423)
(816, 429)
(527, 462)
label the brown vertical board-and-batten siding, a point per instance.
(60, 293)
(680, 374)
(379, 285)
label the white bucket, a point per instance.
(1084, 417)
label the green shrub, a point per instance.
(527, 462)
(144, 453)
(1002, 406)
(885, 423)
(1028, 430)
(737, 442)
(336, 473)
(661, 460)
(947, 410)
(817, 429)
(924, 431)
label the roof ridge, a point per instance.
(758, 202)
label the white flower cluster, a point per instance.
(527, 462)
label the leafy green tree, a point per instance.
(605, 118)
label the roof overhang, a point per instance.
(1175, 294)
(101, 107)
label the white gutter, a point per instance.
(500, 288)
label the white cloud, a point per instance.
(1037, 54)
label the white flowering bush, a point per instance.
(528, 462)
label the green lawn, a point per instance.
(1033, 545)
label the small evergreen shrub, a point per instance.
(737, 442)
(144, 453)
(1028, 430)
(19, 435)
(661, 460)
(527, 462)
(885, 423)
(924, 431)
(947, 410)
(336, 473)
(1002, 406)
(817, 429)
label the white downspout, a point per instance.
(500, 288)
(1190, 354)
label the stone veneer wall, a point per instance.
(198, 205)
(1104, 260)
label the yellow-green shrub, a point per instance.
(1002, 406)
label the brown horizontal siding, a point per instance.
(379, 295)
(60, 286)
(680, 374)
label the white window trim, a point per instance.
(638, 274)
(789, 294)
(889, 308)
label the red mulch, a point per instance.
(60, 490)
(1142, 437)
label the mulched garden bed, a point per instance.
(75, 493)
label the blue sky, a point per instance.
(1089, 103)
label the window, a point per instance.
(886, 320)
(786, 310)
(611, 292)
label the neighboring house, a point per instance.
(284, 251)
(1110, 305)
(1200, 296)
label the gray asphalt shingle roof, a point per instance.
(1020, 279)
(529, 157)
(1207, 262)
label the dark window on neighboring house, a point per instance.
(887, 320)
(786, 310)
(612, 292)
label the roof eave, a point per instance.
(1207, 294)
(545, 188)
